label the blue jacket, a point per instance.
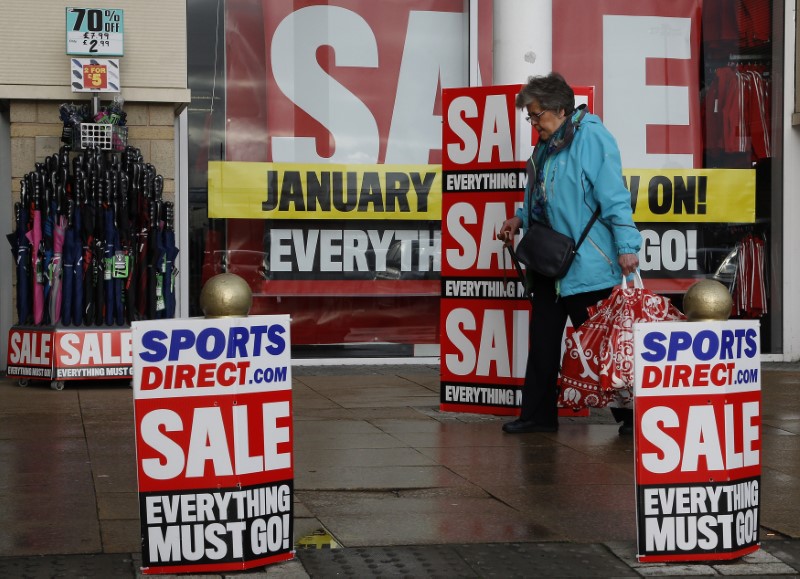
(576, 180)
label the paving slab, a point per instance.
(785, 550)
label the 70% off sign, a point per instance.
(95, 31)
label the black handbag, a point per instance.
(547, 252)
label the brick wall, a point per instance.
(36, 134)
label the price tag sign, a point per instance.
(95, 75)
(95, 31)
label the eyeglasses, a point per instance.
(534, 118)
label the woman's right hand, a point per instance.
(509, 229)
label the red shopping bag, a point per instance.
(597, 367)
(581, 364)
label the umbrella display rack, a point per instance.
(99, 135)
(94, 248)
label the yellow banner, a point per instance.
(239, 190)
(692, 195)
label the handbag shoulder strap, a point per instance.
(586, 229)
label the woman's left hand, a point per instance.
(629, 262)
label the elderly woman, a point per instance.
(575, 169)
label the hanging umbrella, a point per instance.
(34, 236)
(49, 208)
(155, 255)
(89, 276)
(56, 271)
(78, 271)
(98, 255)
(68, 267)
(127, 240)
(98, 281)
(87, 229)
(157, 280)
(56, 268)
(146, 241)
(139, 281)
(115, 257)
(109, 250)
(170, 253)
(21, 250)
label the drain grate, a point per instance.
(116, 565)
(424, 561)
(506, 560)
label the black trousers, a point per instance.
(548, 320)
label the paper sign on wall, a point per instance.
(95, 31)
(95, 75)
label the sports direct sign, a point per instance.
(698, 442)
(213, 442)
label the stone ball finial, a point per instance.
(707, 300)
(226, 295)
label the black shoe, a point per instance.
(523, 426)
(625, 416)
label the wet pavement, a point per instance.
(385, 485)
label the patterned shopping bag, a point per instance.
(597, 367)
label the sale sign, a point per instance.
(213, 442)
(484, 311)
(92, 354)
(95, 31)
(698, 441)
(30, 353)
(331, 159)
(484, 308)
(69, 353)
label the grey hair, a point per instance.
(551, 92)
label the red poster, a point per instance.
(92, 354)
(485, 313)
(698, 439)
(470, 223)
(643, 58)
(95, 77)
(213, 412)
(351, 82)
(30, 353)
(485, 349)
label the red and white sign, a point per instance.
(356, 81)
(95, 75)
(484, 311)
(69, 354)
(644, 58)
(92, 354)
(213, 413)
(30, 353)
(698, 441)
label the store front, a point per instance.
(315, 137)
